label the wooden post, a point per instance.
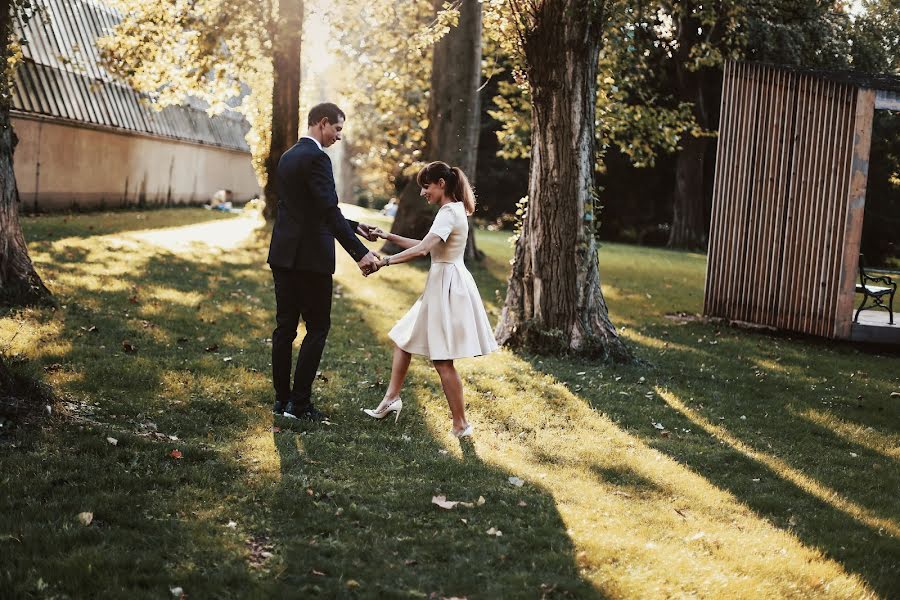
(856, 202)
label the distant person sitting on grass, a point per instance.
(221, 200)
(390, 209)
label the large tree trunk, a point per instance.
(554, 303)
(454, 113)
(287, 29)
(19, 282)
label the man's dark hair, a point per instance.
(325, 109)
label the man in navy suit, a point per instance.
(301, 256)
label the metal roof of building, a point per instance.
(61, 77)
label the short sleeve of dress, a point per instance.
(443, 223)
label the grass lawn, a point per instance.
(724, 463)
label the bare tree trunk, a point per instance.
(453, 119)
(19, 282)
(689, 222)
(286, 28)
(554, 303)
(689, 219)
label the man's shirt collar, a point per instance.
(309, 137)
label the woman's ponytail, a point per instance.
(463, 190)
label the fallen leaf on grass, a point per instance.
(113, 441)
(895, 394)
(352, 584)
(516, 481)
(318, 573)
(177, 592)
(443, 502)
(522, 503)
(494, 531)
(481, 501)
(176, 453)
(85, 518)
(127, 346)
(409, 562)
(213, 348)
(231, 525)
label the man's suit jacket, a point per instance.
(308, 219)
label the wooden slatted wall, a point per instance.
(787, 204)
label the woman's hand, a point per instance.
(379, 232)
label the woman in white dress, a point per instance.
(448, 321)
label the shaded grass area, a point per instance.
(725, 463)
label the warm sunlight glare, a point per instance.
(224, 235)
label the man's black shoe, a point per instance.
(311, 413)
(308, 412)
(277, 409)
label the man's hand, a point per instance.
(366, 231)
(369, 263)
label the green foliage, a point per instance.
(218, 51)
(876, 37)
(386, 81)
(638, 109)
(386, 54)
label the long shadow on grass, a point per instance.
(159, 516)
(354, 509)
(745, 428)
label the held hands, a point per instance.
(378, 233)
(368, 232)
(369, 263)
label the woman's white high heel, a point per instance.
(467, 432)
(394, 407)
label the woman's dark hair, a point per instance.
(456, 184)
(325, 110)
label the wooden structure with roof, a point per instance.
(789, 196)
(86, 138)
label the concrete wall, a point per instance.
(60, 166)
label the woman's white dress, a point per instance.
(448, 321)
